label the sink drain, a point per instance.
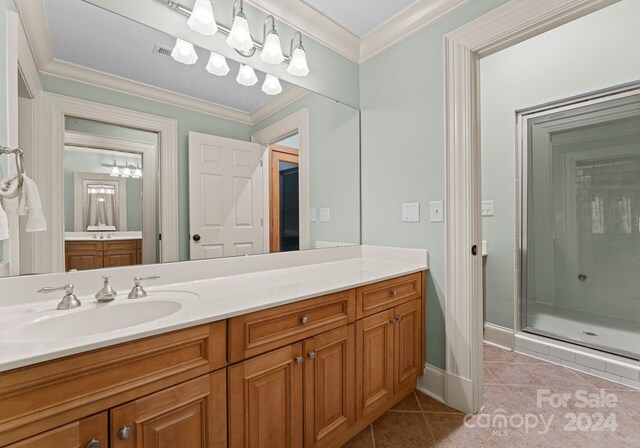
(589, 333)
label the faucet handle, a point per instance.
(107, 293)
(138, 292)
(69, 300)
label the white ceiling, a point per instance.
(89, 36)
(359, 16)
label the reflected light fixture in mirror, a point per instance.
(217, 65)
(202, 19)
(184, 52)
(246, 76)
(271, 85)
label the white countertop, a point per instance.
(102, 235)
(295, 277)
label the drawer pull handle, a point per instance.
(299, 360)
(311, 355)
(304, 320)
(393, 293)
(93, 443)
(125, 432)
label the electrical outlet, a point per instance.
(325, 214)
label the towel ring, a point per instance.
(19, 161)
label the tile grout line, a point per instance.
(424, 419)
(373, 438)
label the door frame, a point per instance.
(274, 189)
(149, 153)
(296, 123)
(503, 27)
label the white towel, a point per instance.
(4, 224)
(31, 206)
(10, 187)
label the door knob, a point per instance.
(93, 443)
(196, 237)
(125, 432)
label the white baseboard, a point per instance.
(500, 336)
(431, 383)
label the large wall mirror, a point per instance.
(194, 166)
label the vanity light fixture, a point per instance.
(115, 171)
(217, 65)
(272, 51)
(137, 173)
(271, 85)
(246, 76)
(298, 65)
(202, 19)
(184, 52)
(240, 36)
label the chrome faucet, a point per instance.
(107, 293)
(69, 300)
(138, 292)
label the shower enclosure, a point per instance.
(580, 220)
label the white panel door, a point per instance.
(225, 197)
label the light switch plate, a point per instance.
(410, 212)
(487, 208)
(312, 214)
(325, 214)
(436, 209)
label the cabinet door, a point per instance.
(116, 258)
(329, 393)
(374, 362)
(265, 400)
(82, 261)
(78, 434)
(407, 357)
(189, 415)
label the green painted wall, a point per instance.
(402, 103)
(187, 121)
(334, 162)
(331, 73)
(567, 61)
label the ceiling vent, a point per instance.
(163, 51)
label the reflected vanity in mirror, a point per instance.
(143, 154)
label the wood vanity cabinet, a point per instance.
(307, 374)
(84, 255)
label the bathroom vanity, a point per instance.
(307, 353)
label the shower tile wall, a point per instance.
(608, 240)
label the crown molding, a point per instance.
(289, 96)
(303, 17)
(407, 22)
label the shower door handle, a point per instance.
(582, 277)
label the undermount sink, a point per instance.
(92, 318)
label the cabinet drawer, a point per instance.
(259, 332)
(384, 295)
(37, 398)
(83, 246)
(120, 245)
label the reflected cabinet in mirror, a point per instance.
(155, 150)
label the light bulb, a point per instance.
(271, 85)
(202, 19)
(246, 76)
(272, 51)
(184, 52)
(240, 36)
(217, 65)
(298, 65)
(115, 172)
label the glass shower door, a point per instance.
(581, 215)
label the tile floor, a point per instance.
(513, 383)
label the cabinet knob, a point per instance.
(299, 360)
(125, 432)
(93, 443)
(304, 320)
(393, 321)
(398, 318)
(311, 355)
(393, 293)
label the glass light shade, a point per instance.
(271, 85)
(246, 76)
(137, 174)
(272, 51)
(184, 52)
(217, 65)
(298, 65)
(240, 36)
(115, 171)
(202, 19)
